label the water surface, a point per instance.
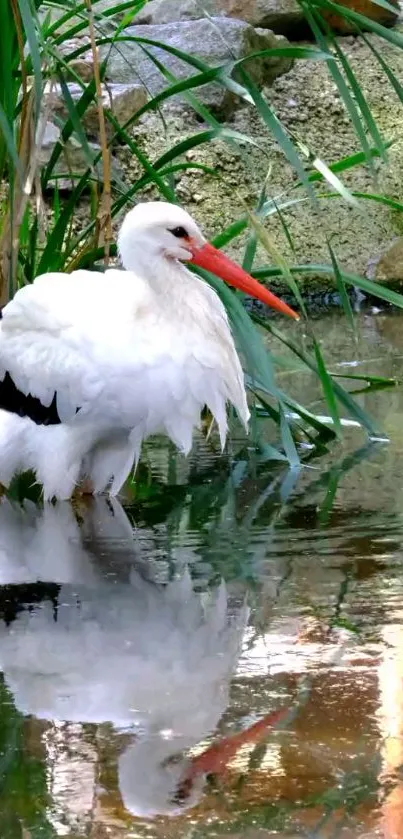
(223, 654)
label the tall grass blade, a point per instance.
(8, 136)
(327, 386)
(392, 35)
(251, 245)
(79, 108)
(360, 98)
(258, 362)
(53, 256)
(373, 288)
(349, 162)
(32, 31)
(272, 121)
(277, 257)
(331, 177)
(369, 196)
(385, 67)
(355, 410)
(288, 440)
(345, 300)
(315, 22)
(76, 122)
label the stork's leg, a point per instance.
(82, 498)
(81, 504)
(86, 487)
(83, 491)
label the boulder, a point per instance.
(214, 40)
(387, 266)
(365, 7)
(124, 100)
(72, 163)
(281, 16)
(83, 66)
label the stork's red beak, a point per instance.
(213, 260)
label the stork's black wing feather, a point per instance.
(16, 402)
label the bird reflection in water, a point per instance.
(153, 659)
(96, 626)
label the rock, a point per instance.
(83, 66)
(388, 266)
(214, 41)
(364, 7)
(281, 16)
(72, 162)
(124, 100)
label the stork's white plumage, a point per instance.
(93, 364)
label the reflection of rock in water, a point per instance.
(154, 659)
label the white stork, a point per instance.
(92, 364)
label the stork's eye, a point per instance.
(179, 233)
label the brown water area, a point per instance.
(222, 654)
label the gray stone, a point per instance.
(214, 41)
(83, 66)
(279, 15)
(387, 265)
(124, 100)
(72, 162)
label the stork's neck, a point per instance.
(168, 278)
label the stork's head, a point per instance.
(156, 232)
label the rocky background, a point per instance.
(366, 240)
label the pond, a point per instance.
(223, 653)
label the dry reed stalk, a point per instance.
(104, 232)
(29, 144)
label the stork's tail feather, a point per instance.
(12, 446)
